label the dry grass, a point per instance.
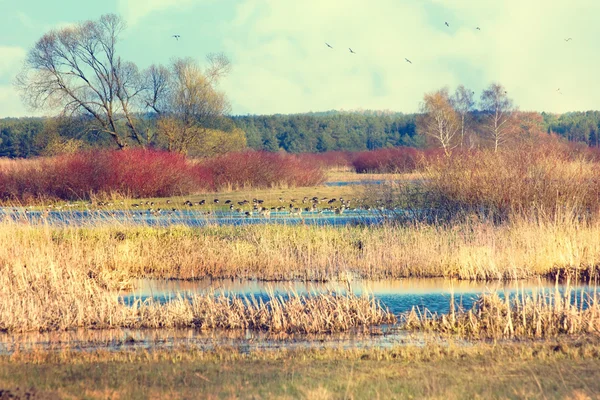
(49, 283)
(553, 369)
(541, 314)
(113, 253)
(536, 180)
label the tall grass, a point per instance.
(474, 249)
(539, 181)
(541, 314)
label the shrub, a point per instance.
(259, 170)
(395, 160)
(147, 173)
(545, 178)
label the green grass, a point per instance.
(527, 370)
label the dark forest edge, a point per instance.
(296, 133)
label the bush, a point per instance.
(147, 173)
(259, 170)
(394, 160)
(545, 178)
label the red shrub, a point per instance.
(136, 173)
(148, 173)
(330, 159)
(395, 160)
(260, 169)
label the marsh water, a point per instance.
(399, 296)
(198, 218)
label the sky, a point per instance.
(281, 63)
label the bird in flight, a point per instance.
(176, 36)
(351, 51)
(478, 28)
(408, 61)
(328, 45)
(447, 24)
(568, 39)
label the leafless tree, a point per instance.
(499, 111)
(76, 70)
(463, 104)
(439, 120)
(186, 99)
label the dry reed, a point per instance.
(540, 314)
(475, 250)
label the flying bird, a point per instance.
(478, 28)
(351, 51)
(176, 36)
(568, 39)
(328, 45)
(447, 24)
(408, 61)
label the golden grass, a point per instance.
(541, 314)
(49, 282)
(113, 253)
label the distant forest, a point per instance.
(296, 133)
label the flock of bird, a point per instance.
(244, 208)
(447, 25)
(177, 37)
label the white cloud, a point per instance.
(11, 59)
(134, 10)
(281, 63)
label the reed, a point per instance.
(49, 283)
(540, 314)
(116, 251)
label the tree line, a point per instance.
(99, 99)
(315, 132)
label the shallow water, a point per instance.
(362, 182)
(198, 218)
(242, 341)
(398, 295)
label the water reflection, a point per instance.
(398, 295)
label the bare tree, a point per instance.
(463, 103)
(186, 99)
(76, 70)
(439, 120)
(498, 109)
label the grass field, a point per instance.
(513, 370)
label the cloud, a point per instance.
(11, 59)
(281, 62)
(134, 10)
